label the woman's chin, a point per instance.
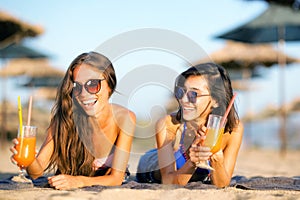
(189, 116)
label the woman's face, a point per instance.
(202, 105)
(92, 104)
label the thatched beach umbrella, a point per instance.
(238, 55)
(31, 68)
(243, 57)
(13, 30)
(18, 50)
(272, 110)
(278, 23)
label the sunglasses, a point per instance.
(92, 86)
(191, 95)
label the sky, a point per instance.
(73, 27)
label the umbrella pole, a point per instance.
(3, 130)
(282, 107)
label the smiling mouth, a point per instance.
(89, 102)
(188, 109)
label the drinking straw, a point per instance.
(228, 109)
(29, 111)
(20, 116)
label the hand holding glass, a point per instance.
(214, 134)
(25, 147)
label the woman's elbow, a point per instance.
(117, 180)
(222, 184)
(35, 176)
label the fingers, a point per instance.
(13, 148)
(61, 182)
(199, 153)
(15, 141)
(14, 151)
(57, 182)
(13, 160)
(202, 131)
(217, 157)
(199, 148)
(196, 142)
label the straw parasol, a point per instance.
(278, 23)
(31, 68)
(243, 57)
(238, 55)
(13, 30)
(273, 110)
(46, 93)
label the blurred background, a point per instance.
(257, 41)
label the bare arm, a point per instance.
(37, 167)
(166, 157)
(120, 160)
(224, 161)
(121, 154)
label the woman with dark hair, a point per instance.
(201, 90)
(89, 139)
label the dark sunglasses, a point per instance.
(191, 95)
(92, 86)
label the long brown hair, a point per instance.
(69, 123)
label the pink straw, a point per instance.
(228, 109)
(29, 111)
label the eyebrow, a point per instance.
(194, 88)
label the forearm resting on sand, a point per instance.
(181, 176)
(219, 176)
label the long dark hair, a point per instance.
(219, 86)
(69, 123)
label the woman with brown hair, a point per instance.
(89, 139)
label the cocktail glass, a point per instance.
(214, 135)
(25, 148)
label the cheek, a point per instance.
(101, 100)
(203, 106)
(103, 96)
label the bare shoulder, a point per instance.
(166, 121)
(124, 118)
(167, 126)
(235, 137)
(121, 113)
(239, 129)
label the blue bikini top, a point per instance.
(181, 157)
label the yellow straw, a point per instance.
(20, 116)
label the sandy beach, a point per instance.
(250, 163)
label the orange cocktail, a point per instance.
(214, 139)
(26, 151)
(26, 146)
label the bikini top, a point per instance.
(103, 162)
(180, 154)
